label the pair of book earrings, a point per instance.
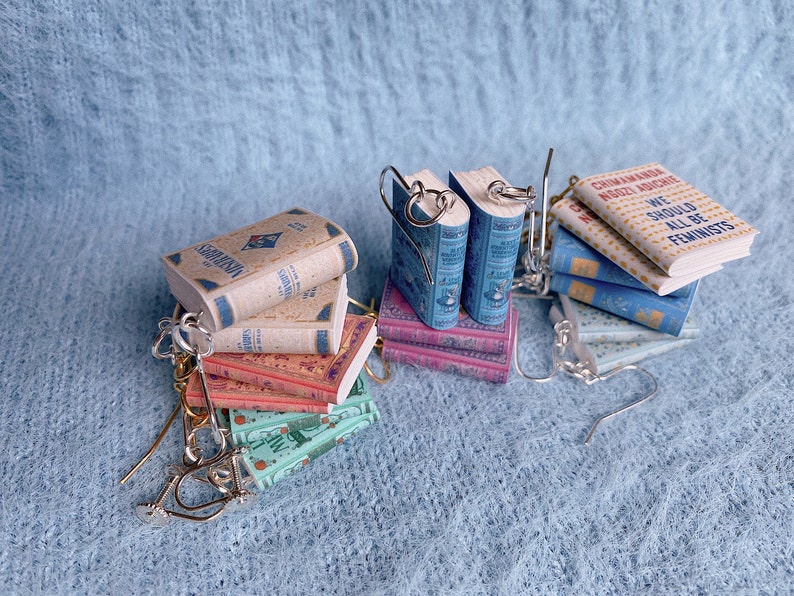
(534, 274)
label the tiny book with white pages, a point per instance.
(237, 275)
(674, 224)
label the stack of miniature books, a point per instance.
(469, 348)
(286, 354)
(636, 243)
(446, 302)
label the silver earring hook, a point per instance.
(404, 184)
(628, 406)
(565, 359)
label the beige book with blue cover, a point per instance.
(234, 276)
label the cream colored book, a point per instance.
(309, 323)
(586, 225)
(233, 277)
(678, 227)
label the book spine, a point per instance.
(240, 340)
(432, 337)
(444, 362)
(611, 355)
(277, 384)
(491, 254)
(444, 248)
(663, 313)
(243, 301)
(277, 457)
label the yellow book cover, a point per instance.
(670, 221)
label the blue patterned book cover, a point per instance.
(494, 239)
(443, 245)
(663, 313)
(571, 255)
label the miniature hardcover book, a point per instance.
(275, 457)
(229, 393)
(443, 245)
(678, 227)
(663, 313)
(237, 275)
(398, 322)
(601, 358)
(250, 425)
(571, 255)
(494, 237)
(593, 325)
(486, 366)
(593, 231)
(322, 377)
(309, 323)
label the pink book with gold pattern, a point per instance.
(228, 393)
(324, 377)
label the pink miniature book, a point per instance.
(228, 393)
(324, 377)
(398, 322)
(482, 365)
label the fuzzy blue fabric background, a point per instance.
(131, 129)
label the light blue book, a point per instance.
(494, 238)
(275, 457)
(443, 245)
(663, 313)
(573, 256)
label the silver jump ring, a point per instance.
(498, 190)
(442, 200)
(180, 332)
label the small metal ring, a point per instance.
(188, 322)
(417, 193)
(498, 190)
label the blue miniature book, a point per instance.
(494, 238)
(573, 256)
(663, 313)
(443, 245)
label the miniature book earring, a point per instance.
(568, 356)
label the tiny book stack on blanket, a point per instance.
(286, 355)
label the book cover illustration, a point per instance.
(251, 425)
(594, 232)
(670, 221)
(485, 366)
(309, 323)
(233, 394)
(273, 458)
(593, 325)
(492, 248)
(323, 377)
(236, 275)
(443, 245)
(397, 321)
(663, 313)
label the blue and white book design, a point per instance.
(494, 239)
(443, 245)
(603, 357)
(573, 256)
(663, 313)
